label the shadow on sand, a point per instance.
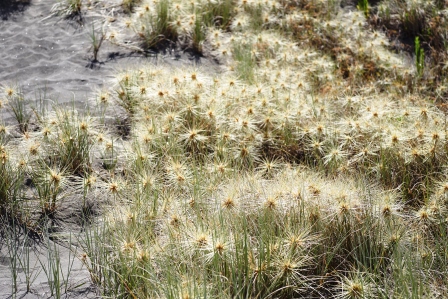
(9, 7)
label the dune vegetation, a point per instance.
(314, 165)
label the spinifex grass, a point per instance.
(218, 13)
(276, 244)
(129, 5)
(49, 185)
(72, 146)
(11, 186)
(245, 61)
(157, 26)
(68, 8)
(20, 109)
(198, 36)
(96, 39)
(312, 166)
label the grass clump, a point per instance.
(245, 61)
(19, 107)
(11, 186)
(129, 5)
(198, 36)
(155, 24)
(68, 8)
(73, 137)
(96, 39)
(218, 14)
(363, 5)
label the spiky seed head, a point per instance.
(424, 214)
(130, 217)
(142, 256)
(425, 255)
(271, 203)
(295, 241)
(201, 240)
(114, 187)
(394, 139)
(112, 36)
(355, 290)
(34, 149)
(314, 190)
(228, 203)
(128, 246)
(83, 126)
(147, 182)
(221, 168)
(220, 248)
(46, 131)
(415, 153)
(424, 113)
(180, 177)
(445, 188)
(100, 138)
(90, 181)
(55, 177)
(435, 136)
(344, 208)
(9, 91)
(104, 98)
(386, 211)
(3, 157)
(22, 163)
(211, 114)
(174, 221)
(394, 239)
(148, 138)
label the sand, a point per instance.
(49, 58)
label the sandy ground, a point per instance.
(38, 271)
(49, 59)
(50, 56)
